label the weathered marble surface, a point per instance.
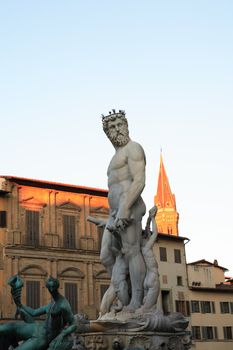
(132, 340)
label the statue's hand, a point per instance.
(121, 224)
(153, 212)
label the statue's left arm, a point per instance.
(136, 164)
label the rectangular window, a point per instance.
(103, 289)
(32, 227)
(208, 332)
(224, 307)
(227, 331)
(195, 307)
(179, 281)
(71, 294)
(183, 307)
(163, 254)
(205, 307)
(69, 231)
(196, 332)
(2, 218)
(33, 294)
(100, 231)
(177, 256)
(164, 279)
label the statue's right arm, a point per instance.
(35, 312)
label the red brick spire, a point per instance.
(167, 216)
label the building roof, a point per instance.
(218, 289)
(205, 262)
(56, 185)
(172, 237)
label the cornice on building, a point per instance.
(225, 289)
(55, 185)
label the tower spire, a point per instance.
(167, 216)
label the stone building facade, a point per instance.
(199, 290)
(44, 231)
(211, 305)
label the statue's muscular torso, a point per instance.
(127, 161)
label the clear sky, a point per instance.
(168, 63)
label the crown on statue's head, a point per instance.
(113, 114)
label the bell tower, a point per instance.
(167, 217)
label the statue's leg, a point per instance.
(21, 331)
(137, 270)
(34, 344)
(14, 332)
(107, 300)
(106, 255)
(119, 276)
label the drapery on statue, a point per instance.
(52, 334)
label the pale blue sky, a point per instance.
(169, 64)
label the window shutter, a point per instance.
(71, 294)
(163, 254)
(203, 307)
(33, 294)
(187, 308)
(215, 333)
(231, 304)
(213, 307)
(204, 332)
(32, 227)
(69, 231)
(103, 289)
(177, 256)
(225, 332)
(2, 219)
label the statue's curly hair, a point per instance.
(112, 117)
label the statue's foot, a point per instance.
(144, 310)
(132, 307)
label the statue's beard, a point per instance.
(119, 139)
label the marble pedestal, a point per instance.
(135, 340)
